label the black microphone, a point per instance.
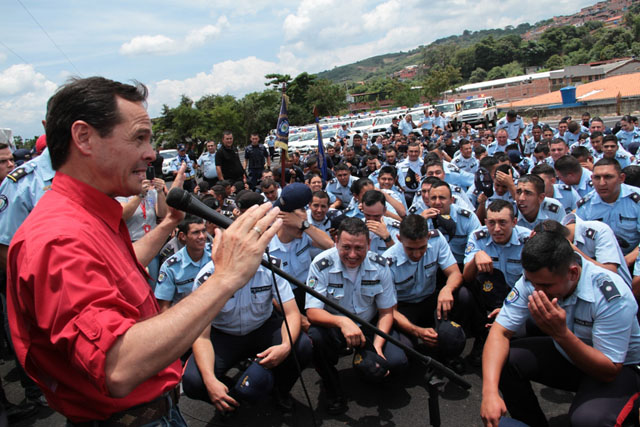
(184, 201)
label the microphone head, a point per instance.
(294, 196)
(178, 199)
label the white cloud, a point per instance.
(23, 97)
(228, 77)
(163, 45)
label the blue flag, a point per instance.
(282, 129)
(322, 161)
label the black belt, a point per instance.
(138, 415)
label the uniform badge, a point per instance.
(4, 202)
(312, 282)
(487, 286)
(161, 277)
(512, 297)
(469, 248)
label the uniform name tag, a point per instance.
(369, 282)
(335, 285)
(260, 289)
(583, 323)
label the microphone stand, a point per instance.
(185, 201)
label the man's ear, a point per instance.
(81, 136)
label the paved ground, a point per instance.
(403, 402)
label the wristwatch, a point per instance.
(305, 225)
(388, 239)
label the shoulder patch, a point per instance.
(566, 187)
(453, 168)
(433, 233)
(590, 233)
(457, 189)
(333, 181)
(465, 213)
(324, 263)
(378, 259)
(203, 278)
(275, 261)
(582, 201)
(171, 260)
(552, 207)
(635, 197)
(17, 174)
(413, 209)
(391, 260)
(395, 224)
(609, 290)
(481, 234)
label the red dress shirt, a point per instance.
(74, 286)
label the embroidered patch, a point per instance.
(312, 282)
(161, 277)
(4, 202)
(469, 248)
(487, 286)
(512, 297)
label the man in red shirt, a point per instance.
(85, 324)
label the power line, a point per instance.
(14, 52)
(49, 37)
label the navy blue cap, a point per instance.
(451, 339)
(483, 182)
(494, 288)
(21, 155)
(411, 179)
(370, 365)
(181, 147)
(254, 383)
(294, 196)
(514, 156)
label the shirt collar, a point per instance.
(45, 163)
(186, 258)
(93, 200)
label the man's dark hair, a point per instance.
(441, 183)
(605, 161)
(431, 180)
(183, 227)
(597, 119)
(353, 226)
(371, 157)
(548, 250)
(3, 146)
(210, 201)
(359, 184)
(558, 141)
(388, 170)
(505, 168)
(414, 227)
(580, 152)
(573, 126)
(93, 100)
(512, 146)
(463, 141)
(543, 169)
(320, 194)
(356, 136)
(311, 160)
(567, 164)
(552, 226)
(266, 183)
(596, 134)
(341, 167)
(538, 183)
(500, 156)
(536, 127)
(433, 163)
(478, 150)
(632, 175)
(372, 197)
(512, 114)
(390, 148)
(608, 138)
(488, 162)
(542, 148)
(226, 132)
(499, 204)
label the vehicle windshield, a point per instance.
(169, 154)
(328, 133)
(475, 103)
(308, 135)
(295, 137)
(363, 123)
(446, 108)
(383, 121)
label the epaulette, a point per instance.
(171, 260)
(17, 174)
(582, 201)
(433, 233)
(333, 181)
(275, 261)
(453, 168)
(465, 213)
(204, 278)
(457, 160)
(378, 259)
(590, 183)
(481, 234)
(566, 187)
(607, 288)
(551, 207)
(590, 233)
(476, 192)
(457, 189)
(324, 263)
(168, 251)
(391, 260)
(523, 238)
(413, 209)
(635, 197)
(395, 224)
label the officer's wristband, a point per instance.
(388, 239)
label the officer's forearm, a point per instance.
(589, 360)
(292, 314)
(204, 355)
(631, 257)
(219, 170)
(454, 277)
(151, 243)
(494, 356)
(470, 271)
(319, 238)
(161, 205)
(385, 322)
(321, 317)
(398, 206)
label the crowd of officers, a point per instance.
(527, 230)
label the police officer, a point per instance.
(340, 186)
(533, 206)
(175, 280)
(533, 141)
(189, 173)
(563, 193)
(414, 264)
(495, 247)
(614, 203)
(437, 169)
(612, 150)
(360, 281)
(255, 156)
(500, 144)
(591, 346)
(570, 172)
(466, 221)
(409, 171)
(383, 231)
(247, 327)
(207, 161)
(465, 160)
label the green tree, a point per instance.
(465, 60)
(496, 73)
(554, 62)
(329, 98)
(478, 75)
(276, 80)
(440, 81)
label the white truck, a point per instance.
(479, 110)
(451, 111)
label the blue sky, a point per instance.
(200, 47)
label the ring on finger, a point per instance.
(257, 230)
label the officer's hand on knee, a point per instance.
(352, 333)
(492, 316)
(492, 409)
(218, 393)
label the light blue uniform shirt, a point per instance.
(440, 122)
(506, 258)
(414, 281)
(529, 128)
(585, 186)
(377, 245)
(623, 216)
(470, 165)
(494, 148)
(250, 306)
(295, 257)
(566, 195)
(627, 137)
(512, 128)
(207, 162)
(372, 290)
(456, 176)
(339, 192)
(601, 312)
(597, 241)
(459, 199)
(175, 280)
(403, 168)
(427, 122)
(405, 127)
(20, 191)
(466, 223)
(549, 209)
(530, 146)
(176, 163)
